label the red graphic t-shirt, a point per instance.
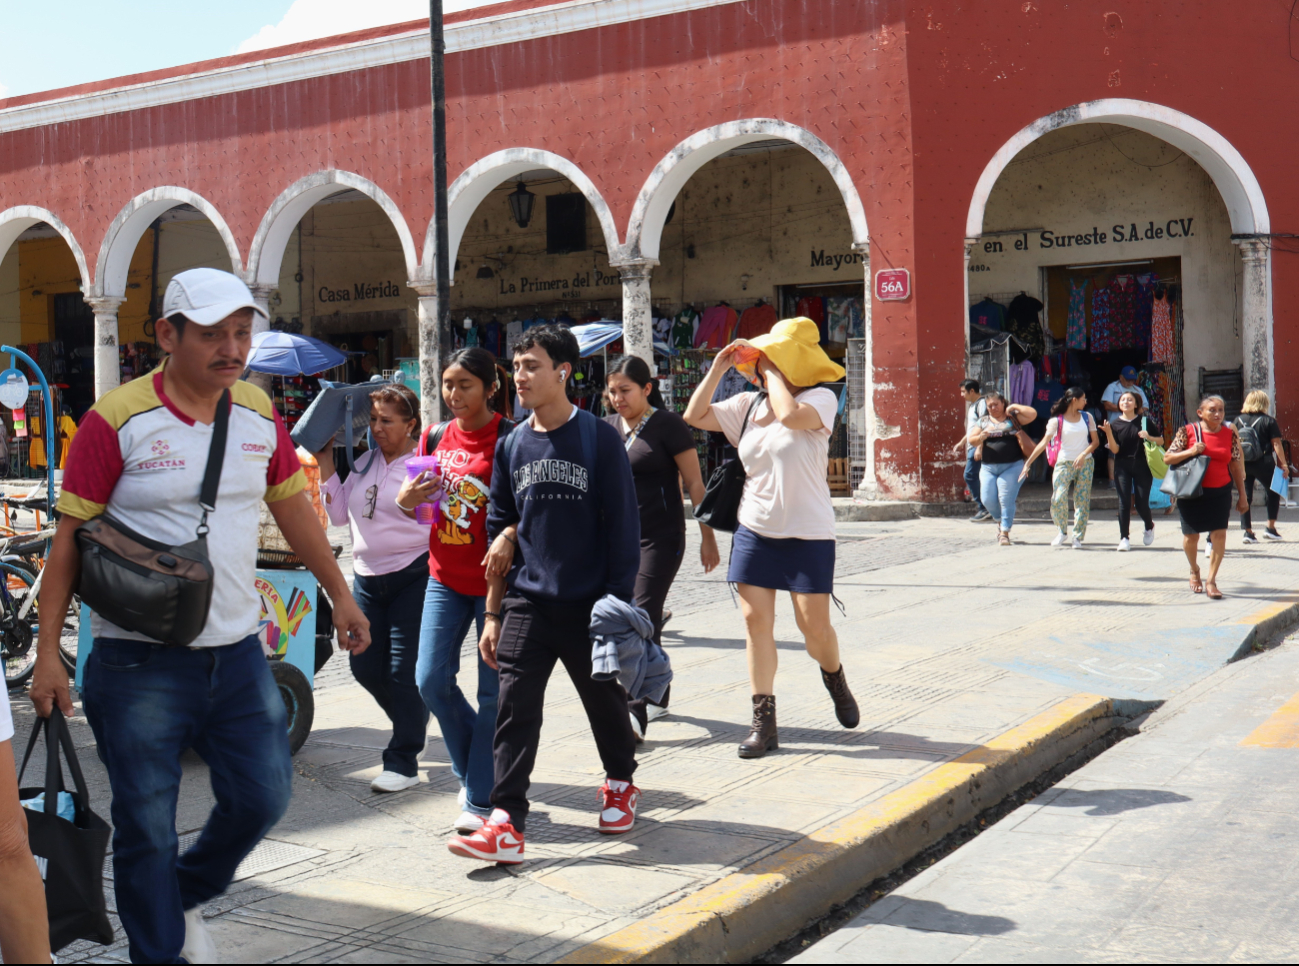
(458, 542)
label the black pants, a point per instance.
(660, 559)
(533, 637)
(1132, 474)
(1262, 472)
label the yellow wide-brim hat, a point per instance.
(794, 347)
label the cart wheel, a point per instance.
(299, 703)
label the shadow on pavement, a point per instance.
(1114, 801)
(923, 914)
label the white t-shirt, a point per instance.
(6, 717)
(786, 494)
(973, 413)
(1077, 437)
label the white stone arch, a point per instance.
(1231, 174)
(1240, 190)
(124, 234)
(482, 177)
(645, 229)
(266, 255)
(14, 221)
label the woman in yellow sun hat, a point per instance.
(785, 540)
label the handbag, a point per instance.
(69, 852)
(338, 407)
(1186, 480)
(146, 586)
(720, 507)
(1154, 455)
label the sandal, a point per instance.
(1197, 587)
(1211, 590)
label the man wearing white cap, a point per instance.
(139, 457)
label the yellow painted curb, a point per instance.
(747, 912)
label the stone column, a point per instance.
(868, 488)
(965, 306)
(262, 296)
(1256, 317)
(108, 371)
(637, 312)
(430, 353)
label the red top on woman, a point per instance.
(458, 542)
(1218, 447)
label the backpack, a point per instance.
(1251, 444)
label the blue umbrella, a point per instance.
(286, 354)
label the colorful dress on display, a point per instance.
(1076, 334)
(1122, 327)
(1162, 346)
(1102, 334)
(1142, 305)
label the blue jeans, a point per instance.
(972, 477)
(147, 705)
(1000, 486)
(386, 668)
(468, 733)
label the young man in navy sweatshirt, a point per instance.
(563, 479)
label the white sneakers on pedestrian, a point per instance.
(1124, 545)
(469, 822)
(1059, 540)
(654, 711)
(199, 947)
(1148, 537)
(1077, 544)
(390, 781)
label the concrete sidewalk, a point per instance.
(949, 642)
(1177, 845)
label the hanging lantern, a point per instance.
(521, 200)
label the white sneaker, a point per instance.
(199, 947)
(1077, 544)
(654, 712)
(636, 728)
(390, 781)
(1058, 541)
(1148, 537)
(462, 798)
(470, 822)
(1124, 545)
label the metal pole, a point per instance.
(442, 268)
(50, 454)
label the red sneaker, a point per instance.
(618, 806)
(497, 841)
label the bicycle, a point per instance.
(22, 562)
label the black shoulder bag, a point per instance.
(720, 507)
(146, 586)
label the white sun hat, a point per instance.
(205, 296)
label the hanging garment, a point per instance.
(715, 327)
(1102, 338)
(36, 452)
(1076, 334)
(988, 313)
(812, 307)
(856, 318)
(838, 318)
(1162, 345)
(1022, 377)
(756, 321)
(663, 331)
(1023, 321)
(1123, 322)
(1142, 306)
(684, 327)
(67, 428)
(732, 384)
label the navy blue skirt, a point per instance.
(800, 566)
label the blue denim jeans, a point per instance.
(386, 668)
(1000, 486)
(147, 705)
(972, 477)
(468, 733)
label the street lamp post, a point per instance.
(441, 267)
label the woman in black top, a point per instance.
(662, 452)
(1254, 415)
(1126, 435)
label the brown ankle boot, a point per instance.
(845, 705)
(762, 738)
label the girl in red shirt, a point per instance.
(457, 588)
(1211, 511)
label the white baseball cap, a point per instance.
(205, 296)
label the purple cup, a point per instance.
(425, 513)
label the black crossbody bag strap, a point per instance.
(216, 457)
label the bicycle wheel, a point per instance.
(17, 637)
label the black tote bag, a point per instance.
(70, 855)
(720, 507)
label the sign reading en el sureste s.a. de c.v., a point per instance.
(893, 285)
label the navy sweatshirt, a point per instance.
(579, 529)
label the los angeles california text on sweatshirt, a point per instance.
(579, 529)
